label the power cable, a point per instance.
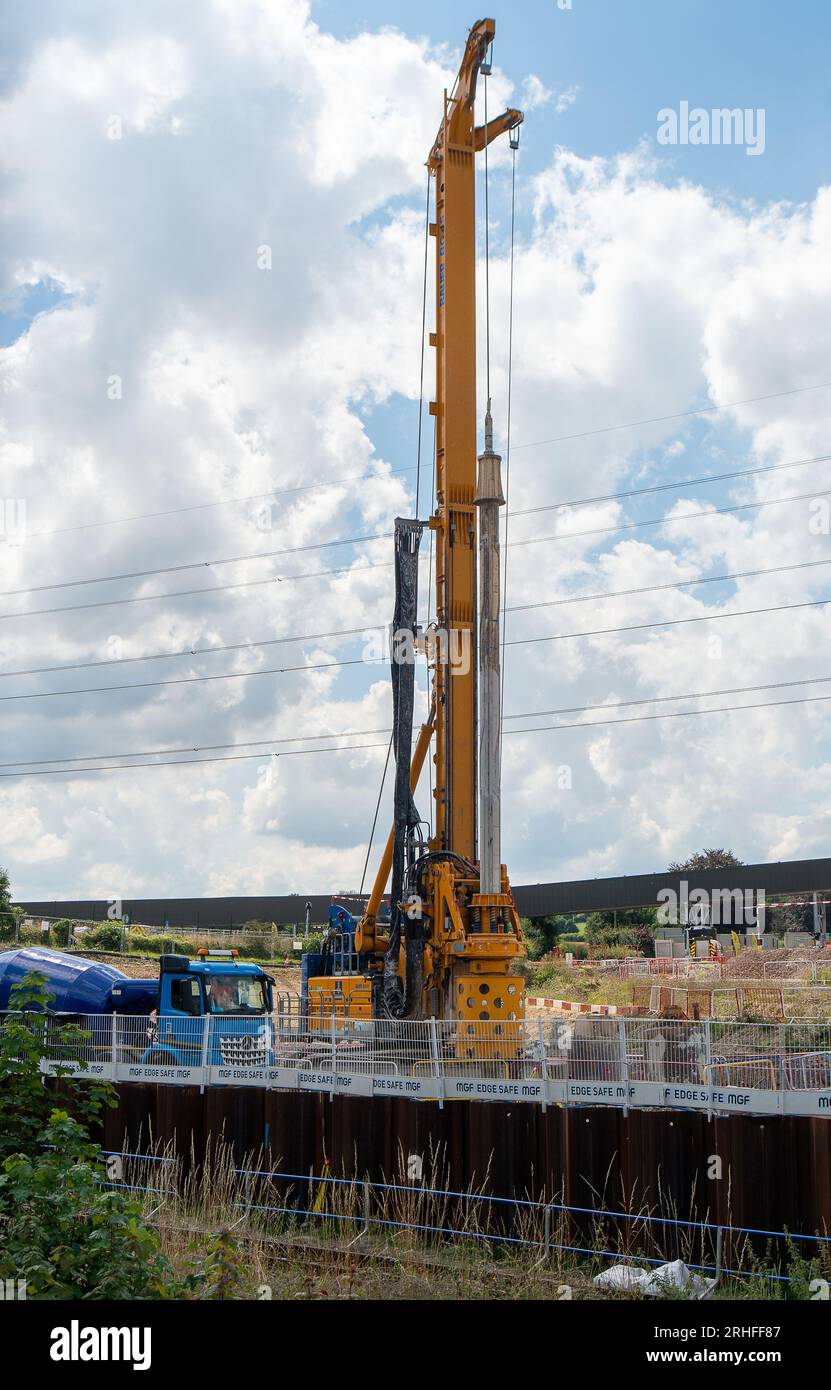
(375, 817)
(189, 762)
(670, 622)
(190, 593)
(667, 520)
(673, 714)
(675, 584)
(665, 699)
(353, 748)
(186, 680)
(360, 661)
(677, 415)
(367, 733)
(196, 565)
(220, 502)
(357, 631)
(668, 487)
(371, 477)
(202, 748)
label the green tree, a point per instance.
(8, 912)
(634, 926)
(707, 859)
(65, 1231)
(541, 933)
(5, 892)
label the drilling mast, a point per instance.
(454, 931)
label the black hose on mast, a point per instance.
(403, 1000)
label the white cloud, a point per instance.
(565, 99)
(535, 93)
(634, 298)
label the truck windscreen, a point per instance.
(236, 994)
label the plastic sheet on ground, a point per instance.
(655, 1283)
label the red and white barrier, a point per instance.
(570, 1006)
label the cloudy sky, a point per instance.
(211, 290)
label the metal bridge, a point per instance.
(533, 900)
(716, 1066)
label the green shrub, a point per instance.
(256, 946)
(12, 929)
(147, 945)
(61, 931)
(66, 1232)
(105, 937)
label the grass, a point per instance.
(212, 1218)
(582, 984)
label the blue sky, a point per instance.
(630, 58)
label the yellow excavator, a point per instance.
(445, 946)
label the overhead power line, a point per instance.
(265, 743)
(670, 622)
(666, 520)
(196, 565)
(220, 502)
(671, 487)
(677, 415)
(189, 762)
(354, 748)
(673, 714)
(357, 631)
(202, 748)
(190, 593)
(663, 699)
(674, 584)
(361, 661)
(186, 680)
(382, 564)
(190, 652)
(372, 477)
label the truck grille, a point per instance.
(244, 1051)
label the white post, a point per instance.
(708, 1064)
(113, 1043)
(205, 1035)
(624, 1062)
(434, 1045)
(543, 1066)
(332, 1091)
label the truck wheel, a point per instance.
(161, 1059)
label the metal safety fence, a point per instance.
(745, 1000)
(710, 1064)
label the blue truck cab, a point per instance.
(213, 1010)
(237, 1000)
